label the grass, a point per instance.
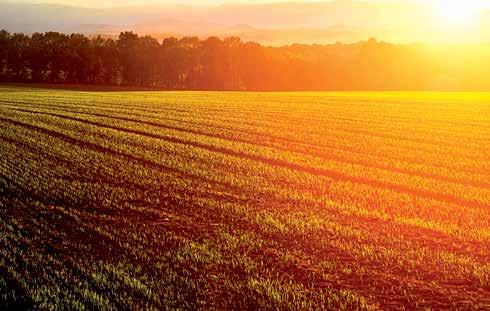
(201, 200)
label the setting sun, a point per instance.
(459, 12)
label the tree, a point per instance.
(213, 54)
(109, 56)
(230, 64)
(170, 63)
(4, 51)
(127, 45)
(147, 57)
(79, 60)
(17, 67)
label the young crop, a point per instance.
(290, 201)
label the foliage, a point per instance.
(230, 64)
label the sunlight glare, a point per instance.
(459, 12)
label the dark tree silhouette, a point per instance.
(230, 64)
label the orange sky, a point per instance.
(112, 3)
(398, 21)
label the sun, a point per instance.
(458, 11)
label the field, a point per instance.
(290, 201)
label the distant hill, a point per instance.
(272, 24)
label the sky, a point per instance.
(117, 3)
(113, 3)
(398, 21)
(453, 4)
(96, 3)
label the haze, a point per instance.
(268, 22)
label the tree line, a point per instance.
(228, 64)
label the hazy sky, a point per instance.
(109, 3)
(116, 3)
(112, 3)
(436, 20)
